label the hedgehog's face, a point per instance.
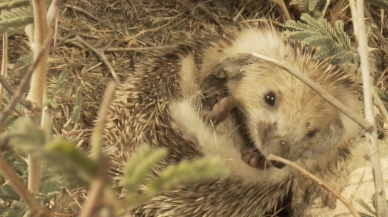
(287, 118)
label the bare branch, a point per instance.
(371, 137)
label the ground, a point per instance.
(99, 41)
(360, 184)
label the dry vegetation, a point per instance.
(98, 41)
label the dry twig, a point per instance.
(93, 17)
(52, 20)
(320, 91)
(352, 4)
(4, 63)
(284, 9)
(139, 48)
(315, 179)
(376, 30)
(325, 8)
(370, 136)
(101, 54)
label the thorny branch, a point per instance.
(376, 31)
(23, 83)
(38, 91)
(317, 180)
(370, 136)
(320, 91)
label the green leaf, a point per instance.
(291, 24)
(14, 4)
(187, 172)
(334, 43)
(24, 62)
(70, 160)
(26, 136)
(10, 120)
(7, 193)
(15, 19)
(365, 206)
(302, 35)
(312, 4)
(319, 41)
(326, 52)
(51, 102)
(342, 58)
(51, 187)
(382, 94)
(17, 209)
(78, 105)
(139, 165)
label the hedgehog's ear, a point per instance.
(231, 66)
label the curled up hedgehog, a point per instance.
(268, 111)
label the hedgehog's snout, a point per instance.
(278, 147)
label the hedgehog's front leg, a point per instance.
(217, 108)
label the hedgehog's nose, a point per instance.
(282, 150)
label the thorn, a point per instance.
(372, 49)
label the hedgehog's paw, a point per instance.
(253, 158)
(218, 108)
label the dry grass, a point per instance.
(99, 39)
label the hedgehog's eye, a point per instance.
(312, 133)
(270, 98)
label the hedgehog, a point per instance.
(267, 110)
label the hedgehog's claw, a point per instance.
(253, 158)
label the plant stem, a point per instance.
(4, 63)
(371, 137)
(38, 84)
(23, 83)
